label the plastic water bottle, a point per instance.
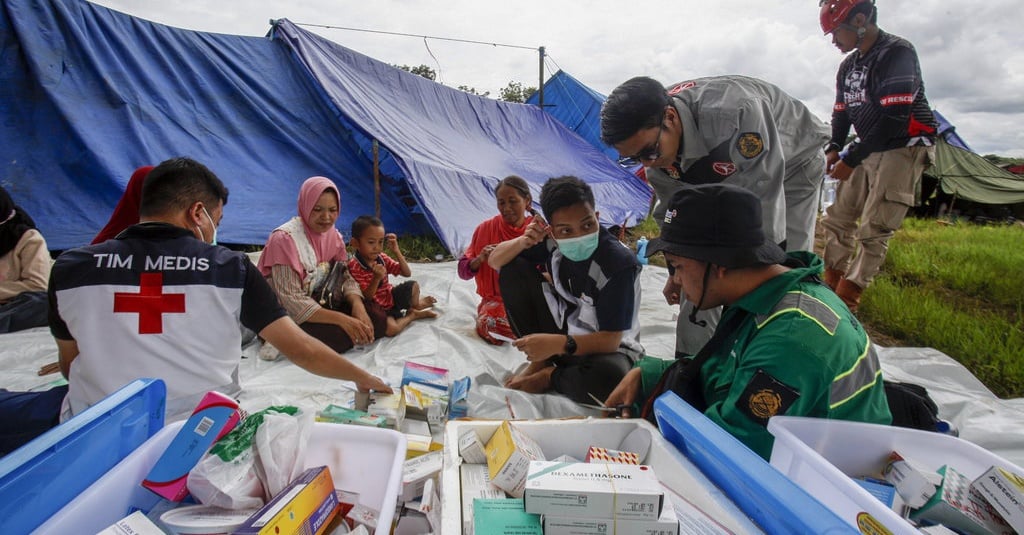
(641, 249)
(828, 193)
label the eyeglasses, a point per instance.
(648, 153)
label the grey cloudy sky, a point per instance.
(971, 51)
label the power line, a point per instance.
(415, 35)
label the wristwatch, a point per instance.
(570, 345)
(832, 146)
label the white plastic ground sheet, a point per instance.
(450, 341)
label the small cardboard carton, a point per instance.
(509, 453)
(390, 406)
(306, 505)
(618, 491)
(954, 505)
(341, 415)
(504, 517)
(471, 449)
(422, 373)
(458, 398)
(885, 492)
(417, 435)
(475, 483)
(214, 416)
(133, 524)
(361, 515)
(1004, 490)
(915, 485)
(427, 402)
(416, 472)
(666, 524)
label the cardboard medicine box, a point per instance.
(416, 472)
(306, 505)
(1004, 490)
(476, 484)
(619, 491)
(914, 484)
(509, 454)
(954, 505)
(666, 524)
(504, 516)
(214, 416)
(341, 415)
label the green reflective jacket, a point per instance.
(800, 352)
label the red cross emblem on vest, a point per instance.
(150, 303)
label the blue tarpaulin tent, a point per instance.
(87, 94)
(576, 106)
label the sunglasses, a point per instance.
(648, 153)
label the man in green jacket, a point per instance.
(789, 345)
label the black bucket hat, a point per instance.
(716, 223)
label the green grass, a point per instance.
(649, 229)
(423, 249)
(981, 261)
(959, 289)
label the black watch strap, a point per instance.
(570, 345)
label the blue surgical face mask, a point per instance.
(201, 235)
(579, 248)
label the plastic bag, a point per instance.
(280, 445)
(256, 460)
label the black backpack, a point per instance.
(911, 406)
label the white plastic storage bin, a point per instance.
(821, 456)
(362, 459)
(574, 437)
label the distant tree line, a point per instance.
(513, 92)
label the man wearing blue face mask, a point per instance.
(572, 294)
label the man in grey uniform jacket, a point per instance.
(732, 129)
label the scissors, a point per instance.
(615, 411)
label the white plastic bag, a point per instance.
(280, 445)
(256, 460)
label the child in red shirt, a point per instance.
(370, 267)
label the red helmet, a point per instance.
(835, 12)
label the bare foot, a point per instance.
(534, 383)
(425, 302)
(422, 314)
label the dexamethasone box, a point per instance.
(618, 491)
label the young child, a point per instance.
(371, 267)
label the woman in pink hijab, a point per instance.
(298, 256)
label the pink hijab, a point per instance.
(281, 250)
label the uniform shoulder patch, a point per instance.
(764, 397)
(724, 168)
(749, 144)
(680, 87)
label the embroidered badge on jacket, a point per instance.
(750, 144)
(680, 87)
(724, 168)
(764, 397)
